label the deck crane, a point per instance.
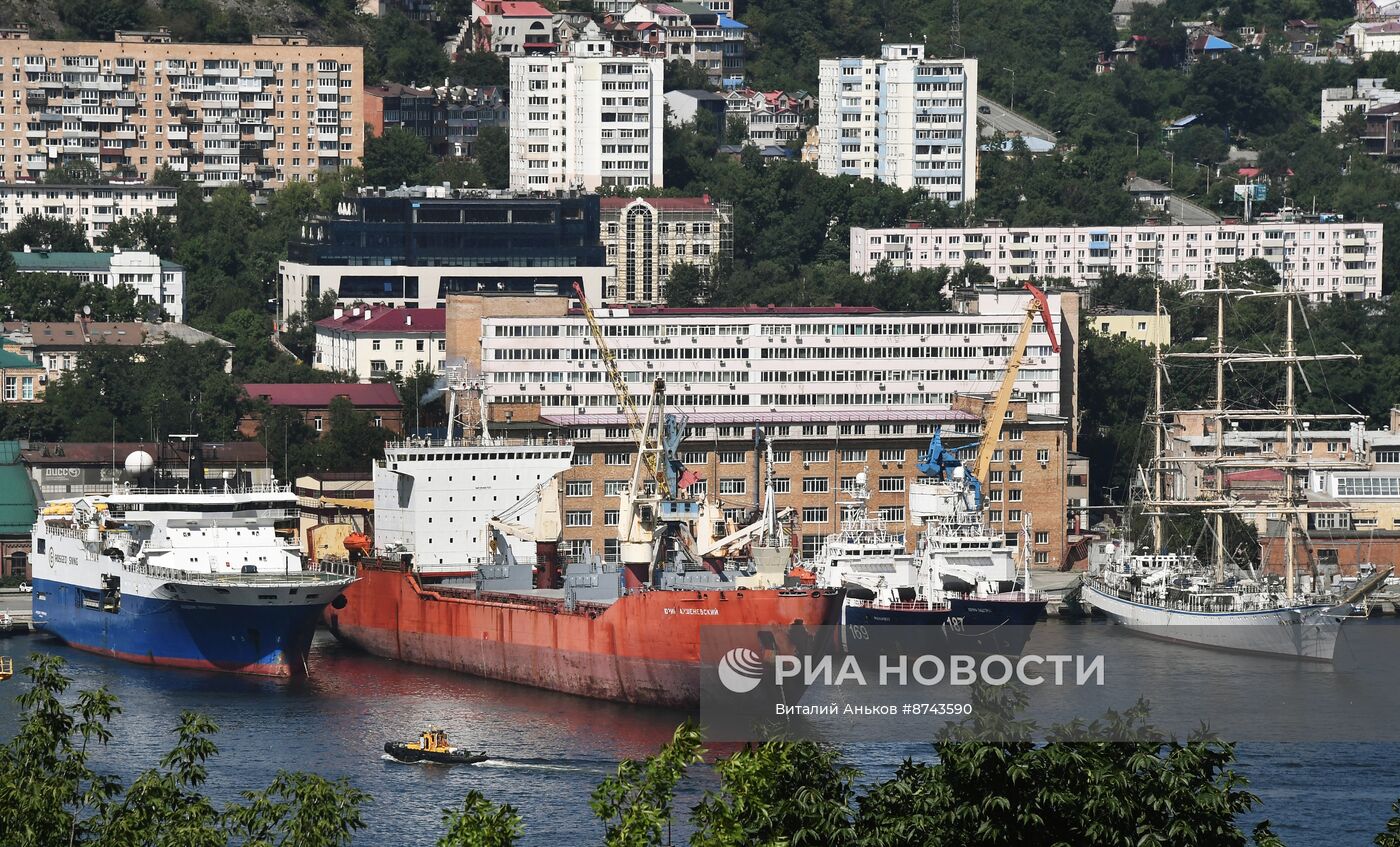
(992, 419)
(545, 530)
(640, 429)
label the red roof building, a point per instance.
(378, 400)
(367, 342)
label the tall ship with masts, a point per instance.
(1169, 592)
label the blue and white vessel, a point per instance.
(194, 578)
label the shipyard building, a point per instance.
(839, 391)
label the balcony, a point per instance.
(50, 81)
(124, 101)
(328, 89)
(264, 73)
(249, 152)
(126, 70)
(37, 163)
(36, 134)
(36, 97)
(51, 117)
(250, 86)
(175, 132)
(328, 154)
(112, 150)
(176, 104)
(264, 133)
(34, 65)
(190, 120)
(123, 134)
(178, 165)
(323, 134)
(264, 169)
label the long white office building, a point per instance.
(764, 359)
(1324, 260)
(94, 207)
(586, 119)
(904, 119)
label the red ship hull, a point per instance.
(643, 648)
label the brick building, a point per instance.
(820, 443)
(274, 111)
(17, 513)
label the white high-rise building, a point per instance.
(587, 119)
(904, 119)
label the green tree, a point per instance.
(683, 75)
(685, 286)
(493, 154)
(477, 68)
(397, 157)
(401, 50)
(147, 231)
(58, 297)
(38, 232)
(480, 823)
(75, 172)
(635, 803)
(457, 170)
(167, 176)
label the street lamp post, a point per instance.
(1137, 144)
(1013, 87)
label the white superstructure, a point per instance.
(1322, 261)
(903, 119)
(587, 119)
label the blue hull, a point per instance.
(267, 640)
(970, 624)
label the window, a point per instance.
(578, 518)
(891, 455)
(1015, 476)
(614, 487)
(12, 390)
(854, 456)
(994, 516)
(812, 544)
(1042, 538)
(814, 514)
(1042, 558)
(1013, 515)
(317, 423)
(695, 457)
(892, 514)
(611, 548)
(610, 517)
(815, 485)
(731, 457)
(1014, 495)
(623, 459)
(810, 456)
(578, 489)
(1043, 456)
(732, 486)
(582, 459)
(993, 477)
(891, 484)
(782, 485)
(994, 496)
(374, 345)
(1013, 456)
(1017, 434)
(782, 457)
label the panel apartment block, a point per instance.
(94, 207)
(1325, 261)
(264, 114)
(587, 119)
(903, 119)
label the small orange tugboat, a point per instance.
(432, 746)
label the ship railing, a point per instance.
(60, 531)
(289, 578)
(220, 489)
(902, 606)
(477, 442)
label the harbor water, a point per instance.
(550, 750)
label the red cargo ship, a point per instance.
(642, 647)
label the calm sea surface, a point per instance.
(552, 749)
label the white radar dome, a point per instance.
(139, 462)
(861, 478)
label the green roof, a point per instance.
(17, 509)
(11, 359)
(38, 261)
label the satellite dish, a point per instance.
(87, 311)
(139, 462)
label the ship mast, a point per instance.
(1290, 409)
(1158, 364)
(1220, 425)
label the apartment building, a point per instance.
(683, 31)
(647, 236)
(903, 119)
(274, 111)
(369, 343)
(1323, 260)
(621, 7)
(94, 207)
(411, 247)
(769, 117)
(58, 345)
(1134, 324)
(1367, 94)
(22, 378)
(544, 379)
(587, 119)
(158, 282)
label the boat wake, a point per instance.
(523, 764)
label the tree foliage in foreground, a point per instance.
(992, 785)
